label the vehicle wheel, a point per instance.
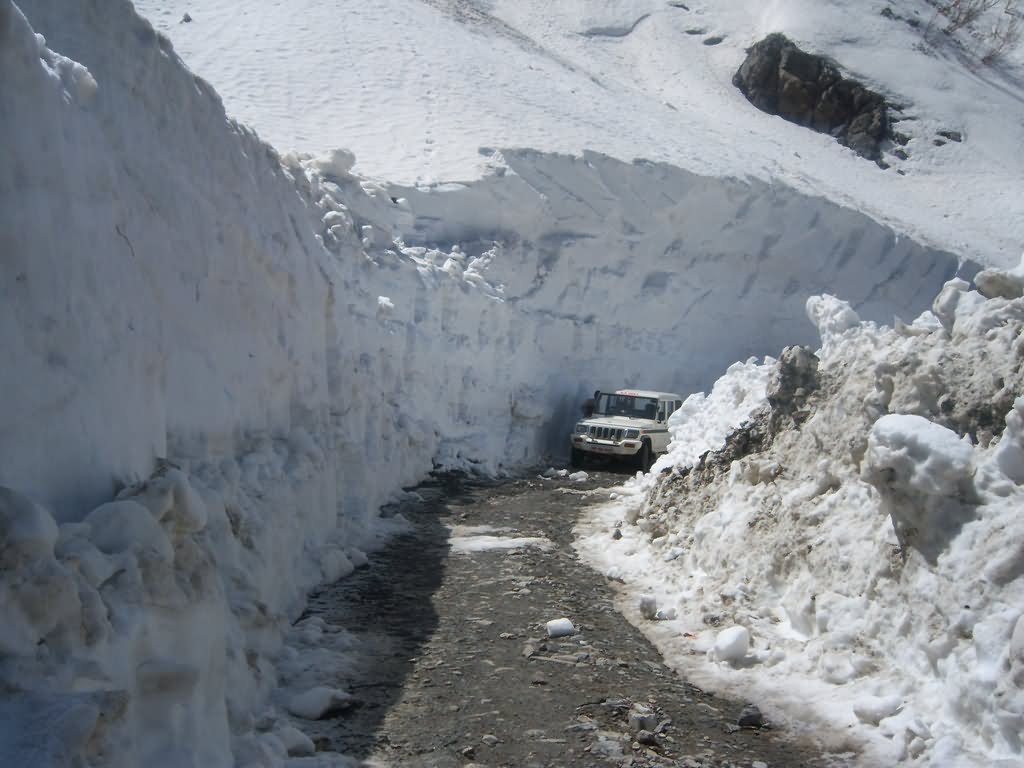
(643, 457)
(576, 458)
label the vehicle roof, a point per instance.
(648, 393)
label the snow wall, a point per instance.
(234, 345)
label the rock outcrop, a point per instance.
(779, 78)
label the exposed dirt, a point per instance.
(457, 669)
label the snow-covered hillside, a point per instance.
(415, 88)
(219, 360)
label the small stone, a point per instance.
(616, 534)
(750, 717)
(648, 607)
(951, 135)
(731, 728)
(468, 752)
(642, 718)
(186, 19)
(490, 739)
(646, 737)
(506, 636)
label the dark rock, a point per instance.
(750, 717)
(779, 78)
(952, 135)
(713, 40)
(938, 142)
(186, 19)
(646, 737)
(793, 379)
(901, 154)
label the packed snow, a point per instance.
(221, 358)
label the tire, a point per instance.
(576, 458)
(644, 458)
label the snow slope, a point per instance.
(415, 88)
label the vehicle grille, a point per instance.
(606, 433)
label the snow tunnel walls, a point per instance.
(238, 347)
(644, 274)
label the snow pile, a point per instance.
(855, 560)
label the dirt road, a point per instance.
(455, 667)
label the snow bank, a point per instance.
(867, 542)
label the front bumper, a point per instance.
(605, 447)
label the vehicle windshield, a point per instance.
(626, 405)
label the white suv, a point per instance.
(629, 423)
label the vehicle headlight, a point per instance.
(581, 427)
(632, 434)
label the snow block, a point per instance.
(320, 702)
(126, 526)
(732, 644)
(560, 628)
(876, 709)
(27, 531)
(917, 455)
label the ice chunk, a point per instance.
(27, 531)
(1009, 453)
(1000, 283)
(875, 709)
(335, 565)
(917, 454)
(170, 498)
(296, 743)
(732, 644)
(317, 703)
(337, 163)
(560, 628)
(831, 316)
(122, 526)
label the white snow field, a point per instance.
(415, 87)
(219, 360)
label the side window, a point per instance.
(679, 404)
(662, 415)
